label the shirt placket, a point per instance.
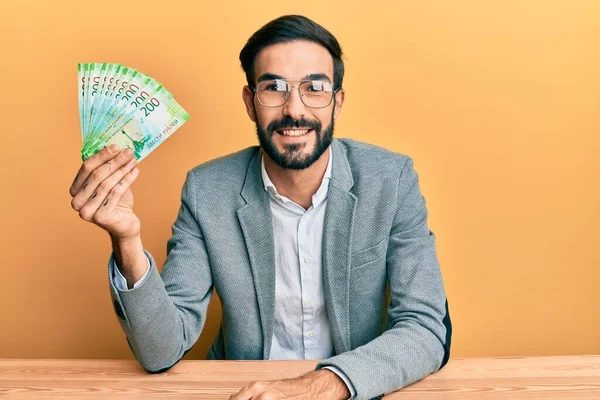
(306, 260)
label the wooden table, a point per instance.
(567, 377)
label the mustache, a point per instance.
(290, 123)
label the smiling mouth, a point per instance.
(294, 132)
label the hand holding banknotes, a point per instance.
(124, 116)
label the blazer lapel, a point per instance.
(256, 222)
(337, 241)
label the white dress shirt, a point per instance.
(301, 328)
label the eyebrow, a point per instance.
(310, 77)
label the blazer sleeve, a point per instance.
(417, 341)
(164, 316)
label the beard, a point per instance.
(293, 157)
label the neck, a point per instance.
(298, 185)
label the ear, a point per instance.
(339, 102)
(248, 98)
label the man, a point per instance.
(301, 237)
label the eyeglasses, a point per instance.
(276, 92)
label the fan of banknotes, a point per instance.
(119, 105)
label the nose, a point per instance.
(294, 107)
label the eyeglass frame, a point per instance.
(333, 92)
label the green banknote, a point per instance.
(120, 105)
(109, 71)
(92, 74)
(80, 89)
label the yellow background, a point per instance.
(498, 102)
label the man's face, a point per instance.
(293, 135)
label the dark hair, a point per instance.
(288, 28)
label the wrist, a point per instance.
(125, 241)
(329, 383)
(130, 258)
(127, 249)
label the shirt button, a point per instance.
(307, 260)
(311, 334)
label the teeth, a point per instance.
(290, 132)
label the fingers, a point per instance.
(249, 391)
(90, 165)
(99, 176)
(100, 198)
(105, 211)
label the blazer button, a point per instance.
(119, 310)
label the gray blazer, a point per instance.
(383, 288)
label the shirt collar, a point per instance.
(318, 197)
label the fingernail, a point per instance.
(128, 152)
(113, 148)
